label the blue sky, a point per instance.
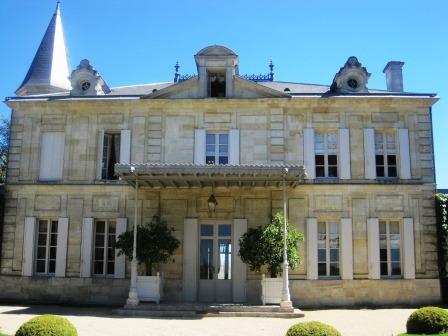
(139, 41)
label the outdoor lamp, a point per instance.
(212, 202)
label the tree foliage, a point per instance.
(4, 147)
(264, 246)
(155, 243)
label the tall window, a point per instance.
(111, 155)
(217, 148)
(390, 248)
(47, 238)
(217, 84)
(104, 253)
(385, 154)
(328, 249)
(326, 158)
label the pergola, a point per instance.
(188, 175)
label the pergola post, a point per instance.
(286, 296)
(133, 294)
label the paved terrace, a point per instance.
(100, 321)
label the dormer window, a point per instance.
(216, 84)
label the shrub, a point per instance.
(428, 320)
(47, 325)
(312, 328)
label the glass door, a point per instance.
(215, 262)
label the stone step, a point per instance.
(209, 308)
(155, 313)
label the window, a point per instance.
(385, 154)
(104, 251)
(326, 159)
(390, 248)
(217, 148)
(47, 238)
(217, 84)
(111, 155)
(328, 249)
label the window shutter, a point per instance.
(52, 156)
(234, 146)
(369, 153)
(99, 155)
(190, 258)
(408, 248)
(86, 247)
(405, 159)
(120, 261)
(344, 154)
(311, 245)
(125, 146)
(373, 242)
(308, 152)
(29, 234)
(347, 249)
(239, 268)
(61, 248)
(199, 146)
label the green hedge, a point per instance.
(47, 325)
(312, 328)
(428, 320)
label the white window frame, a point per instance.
(105, 261)
(389, 253)
(216, 149)
(325, 152)
(385, 153)
(327, 249)
(106, 153)
(48, 246)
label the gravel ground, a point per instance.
(99, 321)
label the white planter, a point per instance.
(271, 290)
(150, 288)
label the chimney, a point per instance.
(394, 76)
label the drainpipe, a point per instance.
(133, 295)
(286, 297)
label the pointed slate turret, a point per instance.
(49, 71)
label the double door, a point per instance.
(215, 262)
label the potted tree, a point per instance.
(263, 246)
(155, 244)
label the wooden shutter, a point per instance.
(408, 249)
(125, 146)
(199, 146)
(239, 268)
(52, 156)
(29, 234)
(61, 249)
(369, 153)
(86, 247)
(190, 268)
(99, 155)
(120, 261)
(346, 249)
(308, 152)
(373, 243)
(311, 248)
(405, 159)
(344, 154)
(234, 146)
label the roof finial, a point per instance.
(58, 7)
(176, 74)
(271, 73)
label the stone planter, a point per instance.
(150, 288)
(271, 290)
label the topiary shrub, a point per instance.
(47, 325)
(312, 328)
(428, 320)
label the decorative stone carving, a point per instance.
(86, 81)
(351, 78)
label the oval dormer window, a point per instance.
(85, 85)
(352, 83)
